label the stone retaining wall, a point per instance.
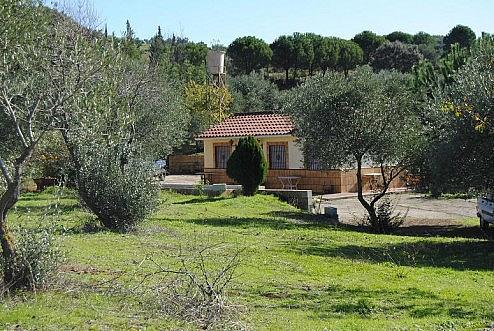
(319, 181)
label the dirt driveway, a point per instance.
(417, 206)
(424, 215)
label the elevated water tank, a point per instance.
(216, 62)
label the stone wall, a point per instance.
(185, 164)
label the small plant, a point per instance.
(387, 220)
(247, 165)
(200, 189)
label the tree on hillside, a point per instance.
(350, 56)
(430, 46)
(328, 55)
(396, 55)
(283, 50)
(304, 50)
(422, 38)
(366, 118)
(369, 42)
(129, 44)
(249, 54)
(247, 165)
(196, 53)
(400, 36)
(253, 93)
(157, 49)
(460, 34)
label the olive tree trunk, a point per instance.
(370, 207)
(8, 199)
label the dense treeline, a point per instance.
(301, 54)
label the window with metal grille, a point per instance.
(314, 164)
(221, 156)
(277, 156)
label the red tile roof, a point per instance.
(250, 124)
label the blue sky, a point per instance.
(222, 20)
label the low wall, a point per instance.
(299, 198)
(319, 181)
(185, 164)
(328, 181)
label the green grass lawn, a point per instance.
(296, 271)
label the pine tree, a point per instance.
(129, 33)
(129, 45)
(156, 49)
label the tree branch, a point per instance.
(11, 112)
(5, 172)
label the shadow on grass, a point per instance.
(302, 221)
(339, 302)
(47, 196)
(447, 231)
(300, 216)
(88, 227)
(450, 231)
(205, 199)
(458, 255)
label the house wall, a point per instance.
(319, 181)
(295, 156)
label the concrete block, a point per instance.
(331, 212)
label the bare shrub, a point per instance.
(195, 290)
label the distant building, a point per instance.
(286, 165)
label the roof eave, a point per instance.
(238, 137)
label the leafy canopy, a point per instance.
(369, 42)
(460, 34)
(249, 54)
(396, 55)
(365, 116)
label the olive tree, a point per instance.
(133, 117)
(366, 118)
(39, 74)
(253, 93)
(396, 55)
